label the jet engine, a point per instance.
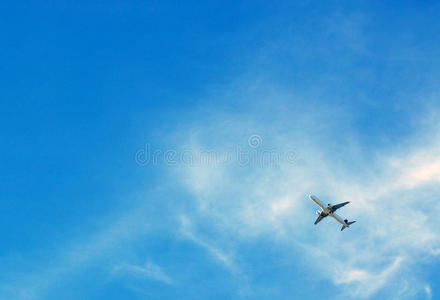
(318, 212)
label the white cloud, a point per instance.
(223, 258)
(363, 283)
(396, 228)
(428, 291)
(418, 168)
(76, 255)
(149, 271)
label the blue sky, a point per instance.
(246, 107)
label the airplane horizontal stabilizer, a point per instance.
(348, 224)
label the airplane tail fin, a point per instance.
(347, 224)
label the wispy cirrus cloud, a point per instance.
(149, 270)
(226, 260)
(76, 255)
(358, 278)
(428, 291)
(250, 202)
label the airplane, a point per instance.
(329, 210)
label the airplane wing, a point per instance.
(320, 217)
(337, 206)
(315, 199)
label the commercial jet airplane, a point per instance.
(329, 210)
